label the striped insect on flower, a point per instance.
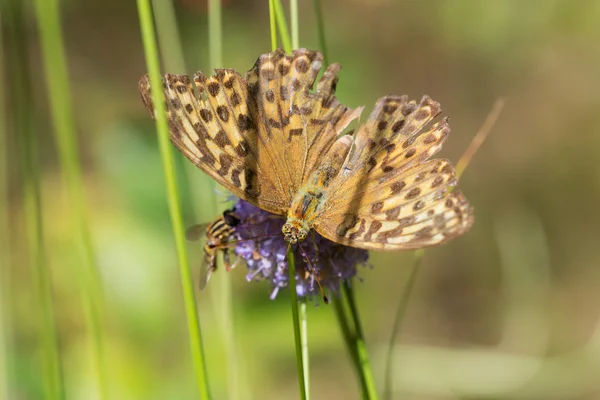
(217, 235)
(276, 143)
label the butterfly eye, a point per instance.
(302, 235)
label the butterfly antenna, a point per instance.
(314, 273)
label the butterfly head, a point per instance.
(294, 231)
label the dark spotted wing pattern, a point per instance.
(276, 142)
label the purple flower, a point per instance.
(261, 244)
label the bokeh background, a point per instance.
(509, 311)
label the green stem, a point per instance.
(153, 64)
(20, 86)
(298, 337)
(400, 313)
(304, 337)
(295, 24)
(282, 26)
(345, 330)
(272, 25)
(349, 339)
(64, 130)
(5, 245)
(364, 365)
(321, 30)
(204, 205)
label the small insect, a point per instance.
(217, 234)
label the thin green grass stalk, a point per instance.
(364, 365)
(353, 337)
(304, 341)
(298, 337)
(5, 340)
(153, 64)
(349, 339)
(347, 332)
(204, 202)
(300, 340)
(64, 129)
(272, 25)
(321, 30)
(284, 34)
(295, 28)
(20, 86)
(396, 328)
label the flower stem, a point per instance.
(64, 132)
(364, 365)
(21, 100)
(153, 64)
(400, 313)
(299, 339)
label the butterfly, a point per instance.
(217, 234)
(275, 141)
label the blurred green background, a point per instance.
(510, 310)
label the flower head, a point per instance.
(262, 245)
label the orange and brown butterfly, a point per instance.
(217, 235)
(275, 141)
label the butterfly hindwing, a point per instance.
(388, 194)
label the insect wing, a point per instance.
(209, 264)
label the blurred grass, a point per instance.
(5, 295)
(87, 276)
(540, 160)
(29, 168)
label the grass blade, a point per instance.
(5, 246)
(299, 339)
(64, 130)
(362, 357)
(153, 64)
(21, 100)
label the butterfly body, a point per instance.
(273, 141)
(311, 199)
